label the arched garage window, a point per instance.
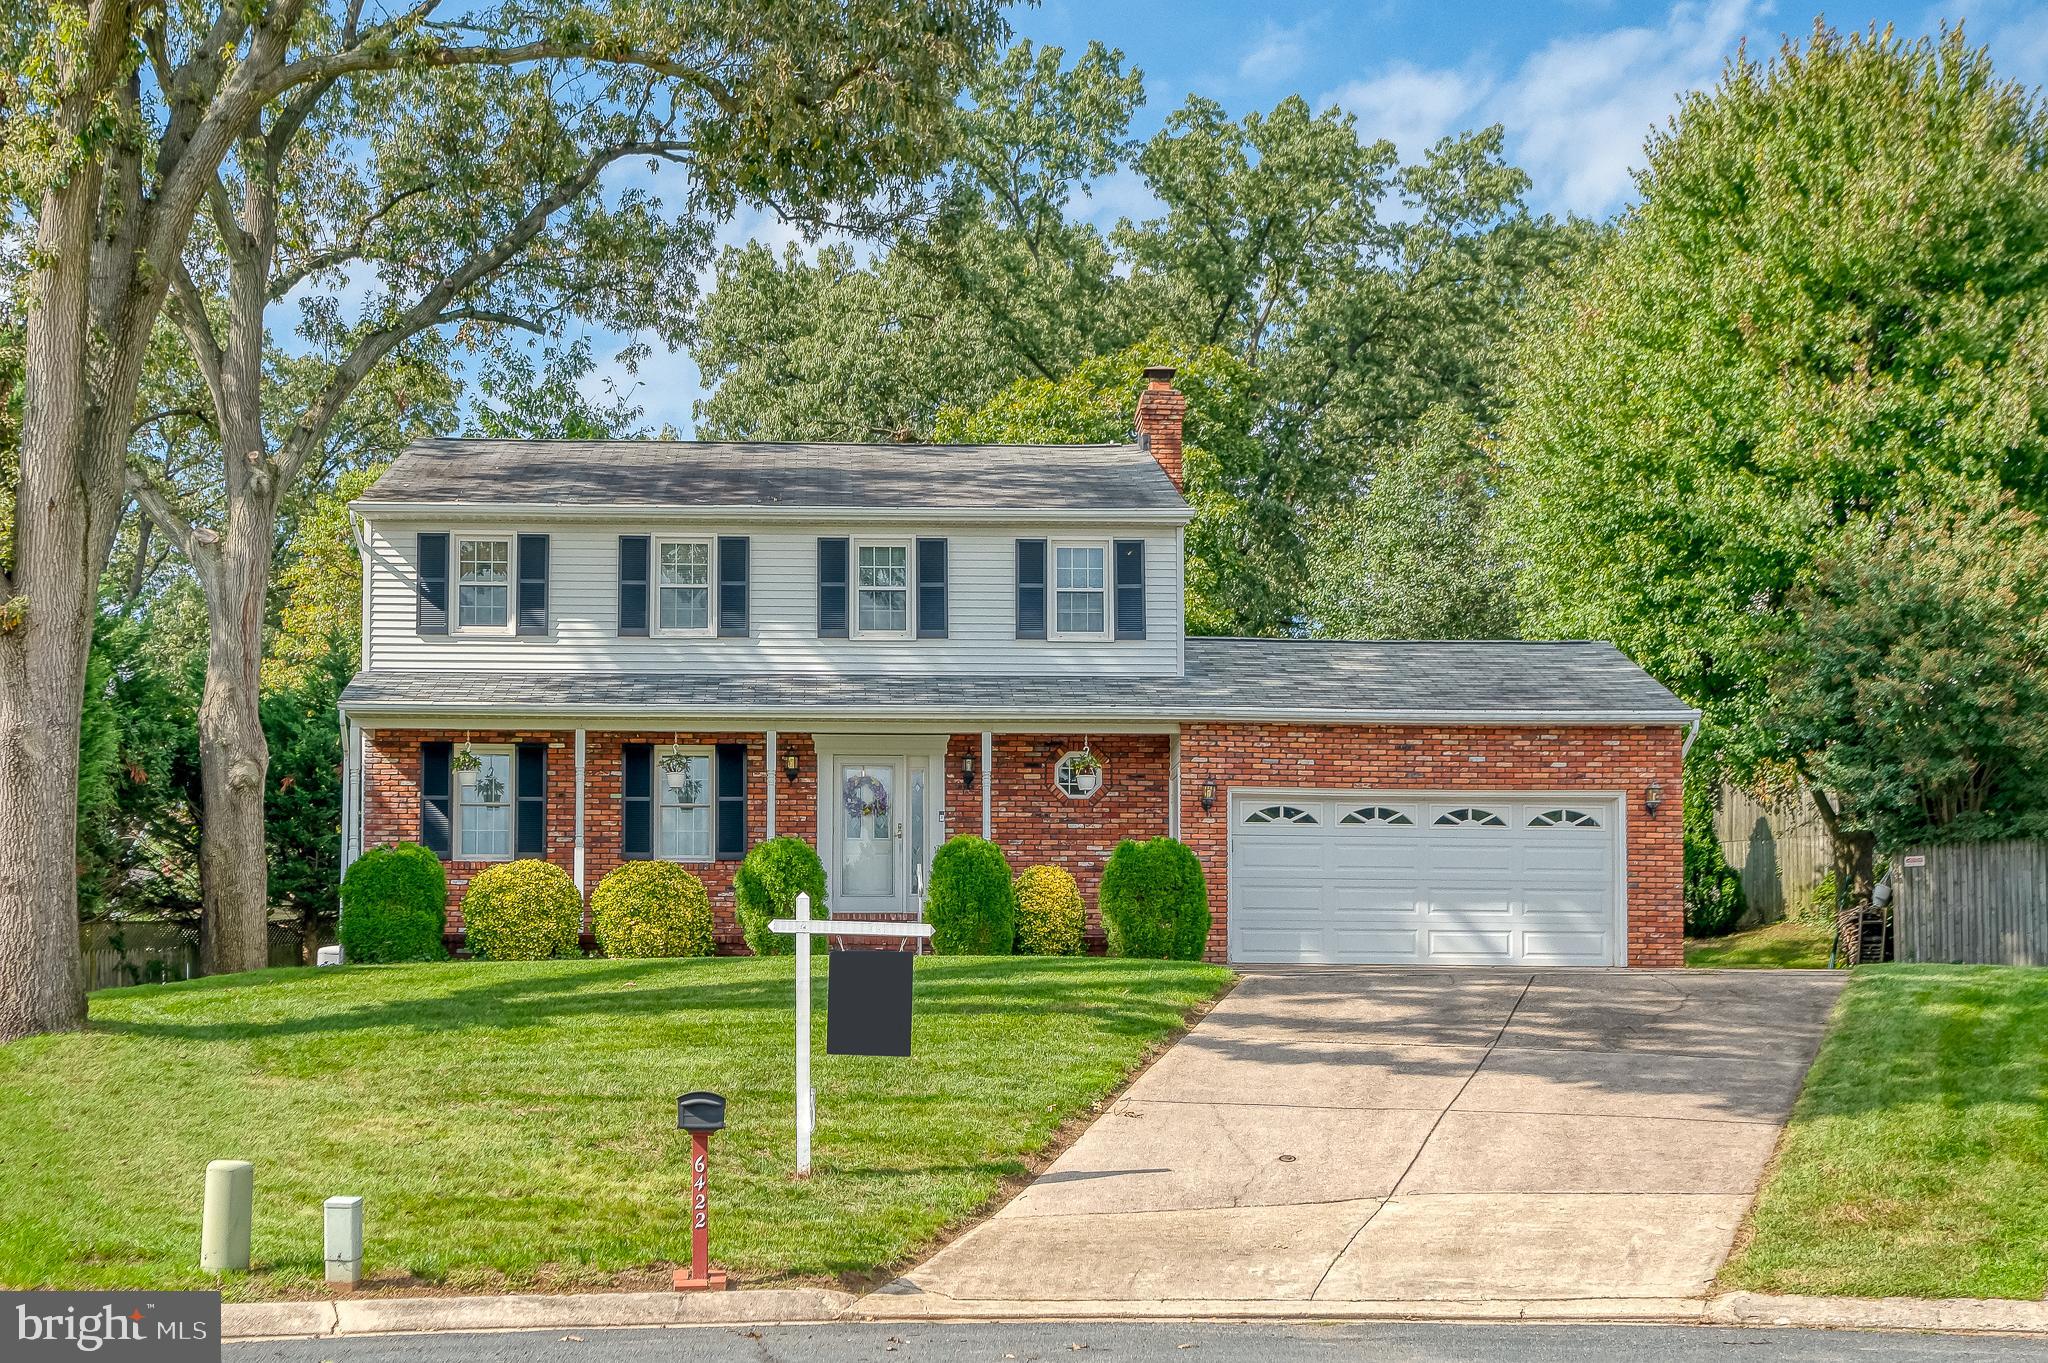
(1377, 814)
(1564, 818)
(1279, 814)
(1470, 818)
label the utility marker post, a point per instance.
(803, 927)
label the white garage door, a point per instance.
(1381, 880)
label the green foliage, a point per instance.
(1050, 916)
(651, 908)
(302, 810)
(517, 398)
(1714, 900)
(319, 586)
(394, 906)
(972, 903)
(522, 911)
(765, 888)
(1821, 902)
(1830, 306)
(1418, 556)
(1912, 672)
(1155, 901)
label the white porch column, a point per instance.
(1173, 786)
(988, 809)
(579, 811)
(351, 792)
(769, 756)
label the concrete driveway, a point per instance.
(1334, 1135)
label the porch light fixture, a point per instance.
(1653, 798)
(967, 770)
(789, 766)
(1208, 796)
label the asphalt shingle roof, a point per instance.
(1478, 682)
(687, 473)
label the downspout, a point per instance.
(1692, 734)
(356, 528)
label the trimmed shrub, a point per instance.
(522, 911)
(394, 905)
(1155, 901)
(1049, 914)
(651, 908)
(773, 874)
(972, 904)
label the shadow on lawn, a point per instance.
(1128, 998)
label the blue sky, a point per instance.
(1576, 84)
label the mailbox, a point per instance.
(700, 1111)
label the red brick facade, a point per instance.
(1034, 823)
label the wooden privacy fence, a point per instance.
(1778, 848)
(1984, 903)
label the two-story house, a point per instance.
(592, 651)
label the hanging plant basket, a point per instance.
(466, 764)
(1087, 780)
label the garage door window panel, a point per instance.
(1470, 817)
(1282, 814)
(1564, 818)
(1368, 816)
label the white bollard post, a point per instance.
(224, 1225)
(344, 1241)
(806, 1111)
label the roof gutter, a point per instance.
(628, 511)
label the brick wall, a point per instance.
(1454, 758)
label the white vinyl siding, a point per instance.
(583, 591)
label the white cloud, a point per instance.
(1577, 110)
(1278, 54)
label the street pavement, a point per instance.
(1356, 1135)
(1154, 1342)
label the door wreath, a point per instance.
(865, 797)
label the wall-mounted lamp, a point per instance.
(1208, 796)
(967, 770)
(789, 766)
(1653, 798)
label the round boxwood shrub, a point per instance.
(1155, 901)
(651, 908)
(765, 888)
(1049, 917)
(394, 905)
(972, 904)
(522, 911)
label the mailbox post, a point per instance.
(700, 1114)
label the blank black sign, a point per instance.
(867, 1002)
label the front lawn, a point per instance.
(1915, 1162)
(513, 1124)
(1789, 945)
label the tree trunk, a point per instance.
(234, 758)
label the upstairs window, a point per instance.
(1080, 582)
(882, 580)
(685, 586)
(483, 585)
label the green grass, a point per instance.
(1775, 946)
(513, 1124)
(1915, 1162)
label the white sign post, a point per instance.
(803, 927)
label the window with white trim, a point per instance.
(1564, 818)
(683, 804)
(483, 585)
(1376, 814)
(881, 590)
(1470, 818)
(1280, 814)
(1080, 590)
(682, 571)
(483, 807)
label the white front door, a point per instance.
(872, 874)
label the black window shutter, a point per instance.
(1130, 589)
(530, 798)
(633, 586)
(732, 586)
(430, 612)
(1030, 589)
(730, 788)
(931, 589)
(636, 818)
(533, 584)
(437, 796)
(832, 588)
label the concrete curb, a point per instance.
(886, 1305)
(584, 1311)
(1969, 1314)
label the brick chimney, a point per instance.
(1160, 409)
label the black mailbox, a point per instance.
(700, 1112)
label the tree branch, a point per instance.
(492, 316)
(196, 413)
(334, 257)
(197, 328)
(160, 508)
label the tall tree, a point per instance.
(125, 121)
(1831, 303)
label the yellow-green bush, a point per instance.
(522, 911)
(651, 908)
(1049, 913)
